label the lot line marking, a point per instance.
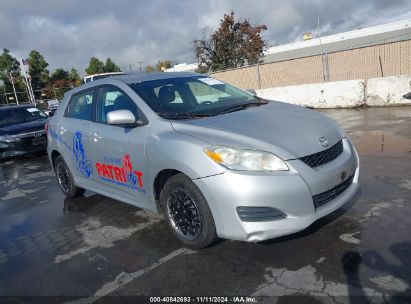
(124, 278)
(374, 211)
(96, 235)
(102, 236)
(390, 282)
(307, 280)
(349, 237)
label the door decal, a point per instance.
(82, 164)
(120, 172)
(54, 134)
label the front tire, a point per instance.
(65, 179)
(187, 212)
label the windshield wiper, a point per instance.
(182, 115)
(241, 107)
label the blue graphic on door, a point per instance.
(82, 164)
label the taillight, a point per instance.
(46, 127)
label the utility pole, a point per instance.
(14, 89)
(4, 89)
(31, 90)
(321, 47)
(25, 69)
(27, 91)
(54, 91)
(139, 62)
(5, 95)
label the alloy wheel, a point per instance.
(184, 214)
(63, 177)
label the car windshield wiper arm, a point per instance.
(182, 115)
(241, 107)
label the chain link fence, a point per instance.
(391, 59)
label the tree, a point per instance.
(110, 66)
(60, 82)
(75, 77)
(57, 88)
(38, 70)
(160, 66)
(163, 64)
(9, 64)
(234, 44)
(60, 74)
(95, 66)
(150, 69)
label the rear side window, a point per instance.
(111, 98)
(81, 106)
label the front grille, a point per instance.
(323, 157)
(26, 140)
(327, 196)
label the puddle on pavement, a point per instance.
(377, 142)
(376, 131)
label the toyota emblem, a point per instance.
(323, 141)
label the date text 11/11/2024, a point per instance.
(206, 299)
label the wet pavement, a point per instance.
(92, 246)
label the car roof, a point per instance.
(108, 73)
(16, 107)
(141, 77)
(132, 78)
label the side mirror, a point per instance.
(121, 117)
(252, 92)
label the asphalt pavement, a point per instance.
(78, 250)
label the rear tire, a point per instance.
(187, 212)
(65, 179)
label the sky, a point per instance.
(69, 32)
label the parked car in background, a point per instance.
(93, 77)
(215, 160)
(53, 108)
(42, 105)
(22, 130)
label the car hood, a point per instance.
(37, 125)
(287, 130)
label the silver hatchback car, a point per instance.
(215, 160)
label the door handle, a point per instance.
(96, 136)
(63, 130)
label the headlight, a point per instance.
(8, 138)
(245, 160)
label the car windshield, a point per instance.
(193, 97)
(14, 116)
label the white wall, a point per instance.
(183, 67)
(388, 90)
(338, 94)
(385, 91)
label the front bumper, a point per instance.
(291, 193)
(26, 144)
